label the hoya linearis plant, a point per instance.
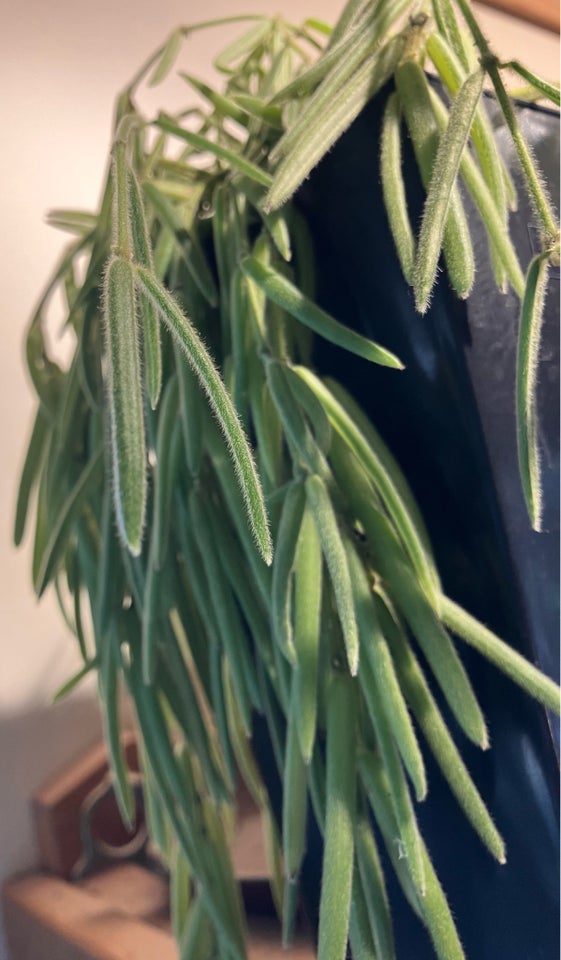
(201, 487)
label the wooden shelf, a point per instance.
(121, 911)
(544, 13)
(119, 914)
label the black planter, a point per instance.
(449, 419)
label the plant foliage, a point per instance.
(245, 541)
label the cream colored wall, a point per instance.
(60, 66)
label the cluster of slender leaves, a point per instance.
(245, 541)
(451, 146)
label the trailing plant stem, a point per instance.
(537, 194)
(122, 242)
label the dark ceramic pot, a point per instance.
(449, 419)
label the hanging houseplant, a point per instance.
(257, 569)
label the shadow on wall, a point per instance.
(34, 746)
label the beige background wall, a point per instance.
(60, 66)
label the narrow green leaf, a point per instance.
(187, 675)
(168, 57)
(438, 916)
(374, 888)
(433, 907)
(332, 547)
(189, 412)
(492, 220)
(274, 222)
(349, 58)
(197, 941)
(523, 673)
(231, 631)
(408, 835)
(338, 855)
(393, 187)
(63, 523)
(62, 604)
(260, 109)
(64, 265)
(90, 354)
(46, 375)
(257, 299)
(150, 325)
(70, 288)
(493, 167)
(360, 931)
(243, 45)
(449, 27)
(151, 614)
(80, 222)
(431, 721)
(121, 212)
(313, 23)
(347, 20)
(242, 343)
(392, 468)
(225, 106)
(531, 317)
(282, 292)
(307, 632)
(305, 82)
(71, 415)
(124, 394)
(172, 787)
(295, 427)
(391, 564)
(156, 819)
(443, 178)
(547, 89)
(371, 773)
(69, 685)
(233, 498)
(437, 647)
(268, 429)
(110, 585)
(165, 473)
(175, 684)
(328, 126)
(30, 472)
(180, 892)
(193, 580)
(219, 859)
(210, 380)
(235, 568)
(185, 242)
(312, 408)
(294, 816)
(239, 738)
(275, 720)
(163, 252)
(109, 692)
(385, 688)
(204, 145)
(283, 66)
(283, 566)
(221, 229)
(78, 624)
(414, 95)
(317, 788)
(360, 436)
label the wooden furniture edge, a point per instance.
(542, 13)
(46, 917)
